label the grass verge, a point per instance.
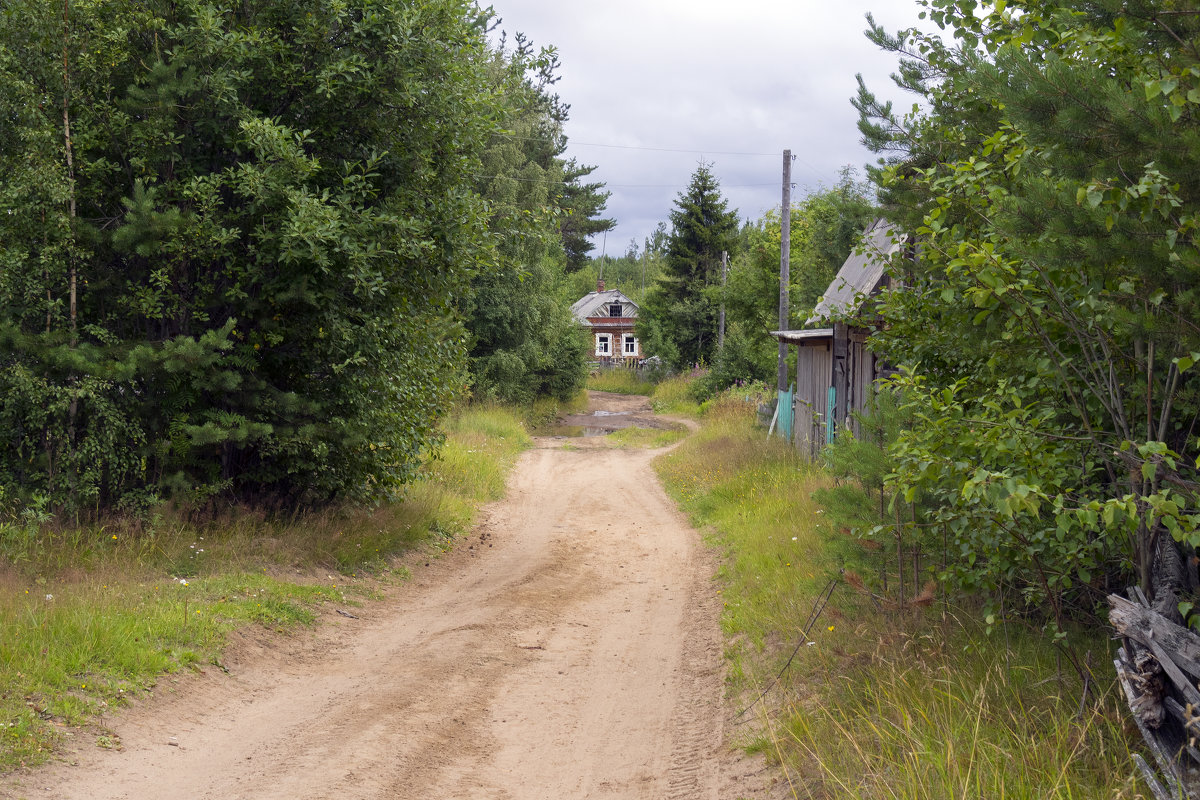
(674, 396)
(645, 437)
(912, 704)
(620, 380)
(89, 617)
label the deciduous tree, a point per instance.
(238, 273)
(1049, 326)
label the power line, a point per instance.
(672, 149)
(608, 185)
(808, 164)
(637, 147)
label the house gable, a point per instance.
(600, 305)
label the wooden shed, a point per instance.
(835, 372)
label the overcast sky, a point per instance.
(657, 85)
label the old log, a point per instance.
(1143, 625)
(1153, 669)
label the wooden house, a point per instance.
(611, 317)
(835, 372)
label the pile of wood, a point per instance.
(1158, 666)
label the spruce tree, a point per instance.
(681, 312)
(582, 204)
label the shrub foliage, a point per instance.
(233, 241)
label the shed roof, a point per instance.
(861, 274)
(798, 337)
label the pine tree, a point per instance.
(681, 310)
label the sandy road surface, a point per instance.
(572, 652)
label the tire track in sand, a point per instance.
(577, 657)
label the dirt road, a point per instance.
(571, 649)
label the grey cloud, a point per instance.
(717, 77)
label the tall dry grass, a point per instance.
(620, 380)
(878, 703)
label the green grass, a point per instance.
(620, 380)
(645, 437)
(674, 396)
(546, 410)
(940, 713)
(89, 617)
(913, 704)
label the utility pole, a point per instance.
(724, 276)
(785, 247)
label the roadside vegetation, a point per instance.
(230, 273)
(98, 613)
(621, 381)
(646, 437)
(94, 615)
(882, 699)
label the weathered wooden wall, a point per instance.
(862, 376)
(814, 365)
(817, 364)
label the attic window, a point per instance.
(614, 310)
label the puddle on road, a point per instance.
(598, 423)
(574, 431)
(571, 427)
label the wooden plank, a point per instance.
(1156, 788)
(804, 400)
(1185, 687)
(1144, 625)
(841, 375)
(822, 380)
(803, 419)
(1180, 715)
(864, 378)
(1166, 764)
(803, 424)
(853, 389)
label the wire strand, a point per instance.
(614, 185)
(639, 147)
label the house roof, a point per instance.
(860, 275)
(592, 303)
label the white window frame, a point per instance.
(604, 344)
(629, 345)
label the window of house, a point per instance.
(603, 344)
(630, 345)
(614, 310)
